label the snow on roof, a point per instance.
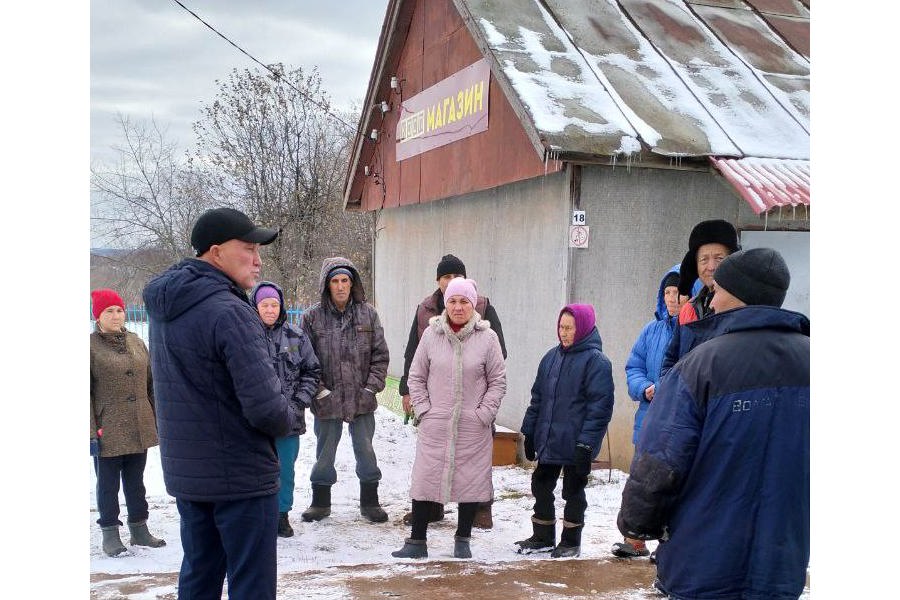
(685, 77)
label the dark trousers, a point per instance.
(234, 538)
(543, 482)
(130, 469)
(423, 509)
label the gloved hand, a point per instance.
(529, 447)
(583, 455)
(95, 447)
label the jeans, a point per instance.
(328, 434)
(288, 448)
(233, 538)
(130, 469)
(543, 482)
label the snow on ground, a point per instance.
(345, 538)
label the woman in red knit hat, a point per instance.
(123, 422)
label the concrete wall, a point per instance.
(639, 222)
(513, 241)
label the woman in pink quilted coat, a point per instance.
(456, 382)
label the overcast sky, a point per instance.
(153, 58)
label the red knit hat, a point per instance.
(103, 299)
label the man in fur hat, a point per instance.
(709, 244)
(721, 472)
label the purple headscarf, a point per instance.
(584, 320)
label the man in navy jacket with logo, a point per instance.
(219, 406)
(721, 472)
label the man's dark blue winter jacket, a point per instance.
(722, 461)
(571, 401)
(218, 400)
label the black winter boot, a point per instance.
(321, 504)
(569, 542)
(112, 543)
(284, 526)
(140, 535)
(412, 549)
(369, 506)
(461, 547)
(542, 540)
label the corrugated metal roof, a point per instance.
(640, 79)
(767, 184)
(682, 77)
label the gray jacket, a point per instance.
(294, 359)
(351, 348)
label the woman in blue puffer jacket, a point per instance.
(571, 405)
(642, 371)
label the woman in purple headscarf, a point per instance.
(571, 405)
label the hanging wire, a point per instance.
(275, 74)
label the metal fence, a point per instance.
(137, 320)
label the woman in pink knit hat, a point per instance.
(456, 382)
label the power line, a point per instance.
(275, 74)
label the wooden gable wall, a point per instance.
(438, 44)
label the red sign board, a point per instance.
(450, 110)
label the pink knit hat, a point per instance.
(460, 286)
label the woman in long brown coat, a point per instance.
(123, 423)
(456, 382)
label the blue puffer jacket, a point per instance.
(722, 463)
(643, 365)
(571, 401)
(218, 399)
(295, 360)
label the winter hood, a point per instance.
(662, 313)
(282, 312)
(184, 285)
(357, 292)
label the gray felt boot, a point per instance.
(112, 543)
(140, 535)
(412, 549)
(461, 547)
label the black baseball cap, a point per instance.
(218, 225)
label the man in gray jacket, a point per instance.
(349, 341)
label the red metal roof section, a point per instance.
(767, 183)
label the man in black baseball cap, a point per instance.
(219, 225)
(219, 405)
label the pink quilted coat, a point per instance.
(456, 383)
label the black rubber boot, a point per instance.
(412, 549)
(569, 542)
(461, 547)
(140, 535)
(369, 507)
(321, 504)
(284, 526)
(543, 538)
(112, 543)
